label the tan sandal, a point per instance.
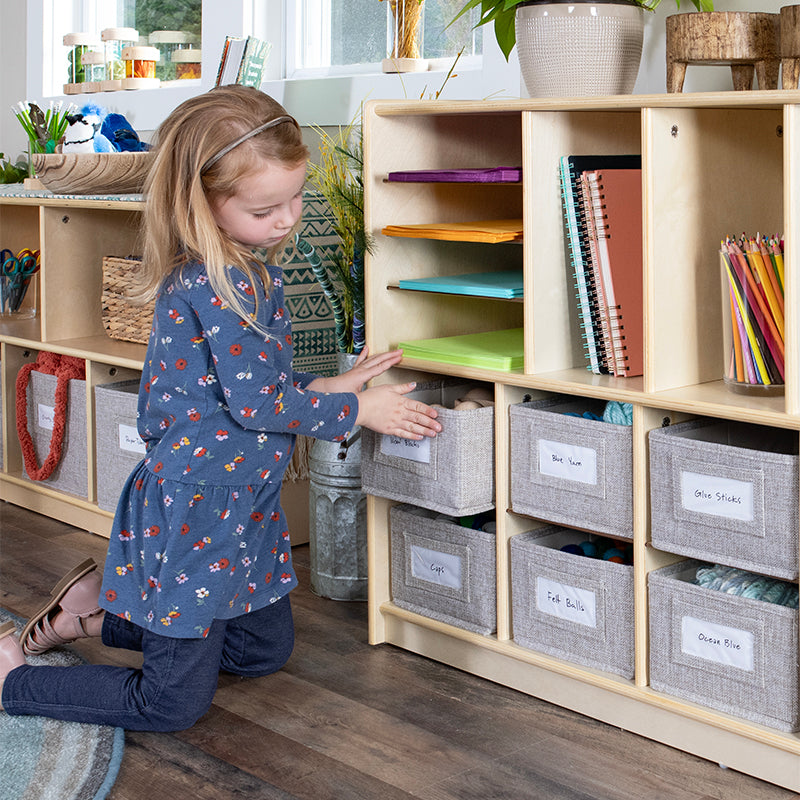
(77, 598)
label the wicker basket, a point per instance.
(122, 318)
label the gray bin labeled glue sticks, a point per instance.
(728, 492)
(70, 474)
(442, 570)
(119, 448)
(734, 654)
(576, 608)
(571, 470)
(452, 473)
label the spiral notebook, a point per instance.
(617, 194)
(592, 311)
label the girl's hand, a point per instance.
(385, 409)
(365, 369)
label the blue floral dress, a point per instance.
(199, 533)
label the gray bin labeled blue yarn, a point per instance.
(118, 448)
(596, 495)
(734, 654)
(754, 525)
(456, 472)
(71, 472)
(443, 570)
(569, 606)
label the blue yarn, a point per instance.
(618, 413)
(741, 583)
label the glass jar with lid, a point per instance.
(114, 39)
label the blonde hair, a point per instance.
(179, 225)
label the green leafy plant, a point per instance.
(13, 173)
(338, 177)
(503, 12)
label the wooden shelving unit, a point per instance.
(712, 164)
(73, 234)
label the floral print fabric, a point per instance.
(199, 533)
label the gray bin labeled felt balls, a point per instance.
(118, 445)
(728, 492)
(70, 474)
(452, 473)
(734, 654)
(571, 470)
(570, 606)
(442, 570)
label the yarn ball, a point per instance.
(618, 413)
(573, 549)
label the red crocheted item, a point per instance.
(65, 368)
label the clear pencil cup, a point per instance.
(752, 329)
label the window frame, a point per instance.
(324, 99)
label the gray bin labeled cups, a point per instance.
(71, 472)
(443, 570)
(734, 654)
(569, 469)
(569, 606)
(452, 473)
(118, 446)
(726, 491)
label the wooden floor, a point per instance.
(346, 720)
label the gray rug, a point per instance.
(46, 759)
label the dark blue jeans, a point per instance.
(176, 683)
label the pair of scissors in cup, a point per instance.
(16, 272)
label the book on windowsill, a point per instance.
(243, 61)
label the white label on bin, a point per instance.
(719, 643)
(407, 448)
(567, 602)
(130, 440)
(723, 497)
(47, 417)
(567, 461)
(443, 569)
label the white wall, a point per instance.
(336, 101)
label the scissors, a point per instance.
(16, 276)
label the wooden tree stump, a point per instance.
(749, 42)
(790, 46)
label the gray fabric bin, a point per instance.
(728, 492)
(70, 475)
(452, 473)
(571, 470)
(118, 446)
(442, 570)
(733, 654)
(573, 607)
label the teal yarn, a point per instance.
(618, 413)
(741, 583)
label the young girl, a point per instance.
(199, 570)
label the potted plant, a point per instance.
(569, 48)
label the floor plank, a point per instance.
(345, 720)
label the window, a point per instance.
(322, 76)
(334, 35)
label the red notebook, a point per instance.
(619, 193)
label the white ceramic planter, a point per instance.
(569, 49)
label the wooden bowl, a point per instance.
(93, 173)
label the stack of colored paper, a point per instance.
(506, 284)
(500, 350)
(752, 271)
(492, 231)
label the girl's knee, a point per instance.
(174, 716)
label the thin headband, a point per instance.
(225, 150)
